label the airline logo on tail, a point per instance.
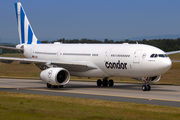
(26, 33)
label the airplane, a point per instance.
(58, 61)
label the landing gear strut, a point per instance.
(105, 82)
(146, 86)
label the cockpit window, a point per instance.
(158, 55)
(152, 56)
(161, 55)
(155, 55)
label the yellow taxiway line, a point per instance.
(95, 94)
(103, 94)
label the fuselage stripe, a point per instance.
(45, 53)
(78, 54)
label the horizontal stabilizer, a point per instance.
(12, 48)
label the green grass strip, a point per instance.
(20, 106)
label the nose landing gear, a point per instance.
(146, 86)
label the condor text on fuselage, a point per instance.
(118, 65)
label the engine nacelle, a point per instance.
(55, 76)
(155, 79)
(151, 79)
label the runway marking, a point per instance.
(103, 94)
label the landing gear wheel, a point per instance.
(144, 88)
(99, 82)
(111, 83)
(55, 86)
(105, 82)
(49, 85)
(148, 87)
(61, 86)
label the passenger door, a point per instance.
(137, 54)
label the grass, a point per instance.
(22, 106)
(15, 70)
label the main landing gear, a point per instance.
(54, 86)
(105, 82)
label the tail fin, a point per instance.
(26, 33)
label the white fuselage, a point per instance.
(128, 60)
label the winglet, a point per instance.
(25, 30)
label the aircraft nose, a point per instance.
(167, 63)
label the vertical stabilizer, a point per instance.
(25, 30)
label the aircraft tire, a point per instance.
(148, 87)
(99, 82)
(144, 88)
(105, 83)
(55, 86)
(61, 86)
(49, 85)
(111, 83)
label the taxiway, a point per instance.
(166, 95)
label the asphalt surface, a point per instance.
(166, 95)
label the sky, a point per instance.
(92, 19)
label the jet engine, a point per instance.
(150, 79)
(55, 76)
(155, 79)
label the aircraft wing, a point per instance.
(78, 66)
(175, 60)
(173, 52)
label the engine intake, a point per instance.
(153, 79)
(55, 76)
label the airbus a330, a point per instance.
(58, 61)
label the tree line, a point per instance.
(164, 44)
